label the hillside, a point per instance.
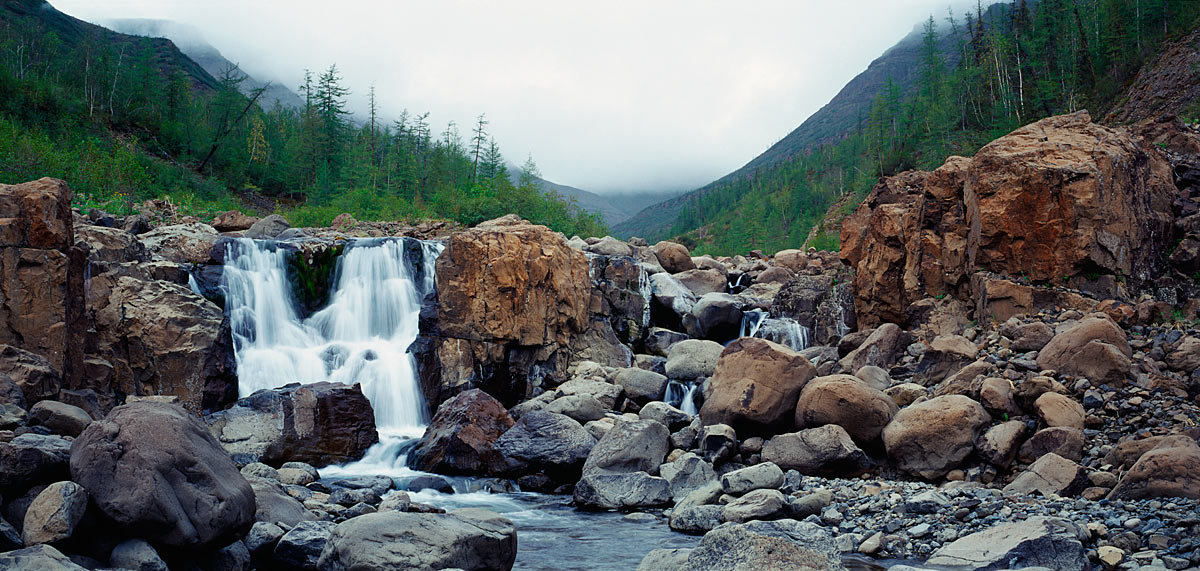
(611, 208)
(192, 44)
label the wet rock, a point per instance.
(827, 450)
(157, 472)
(848, 402)
(930, 438)
(54, 513)
(659, 341)
(461, 436)
(601, 490)
(692, 359)
(756, 385)
(547, 440)
(630, 446)
(1036, 542)
(318, 423)
(672, 300)
(465, 539)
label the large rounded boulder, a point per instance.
(930, 438)
(756, 385)
(158, 473)
(847, 402)
(462, 539)
(1095, 348)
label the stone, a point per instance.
(60, 418)
(996, 395)
(1036, 542)
(664, 559)
(874, 377)
(930, 438)
(905, 394)
(1060, 410)
(606, 490)
(470, 538)
(274, 505)
(826, 450)
(944, 357)
(1095, 348)
(673, 257)
(33, 374)
(302, 546)
(696, 519)
(156, 471)
(548, 441)
(232, 557)
(461, 436)
(233, 221)
(756, 504)
(606, 393)
(190, 243)
(659, 342)
(756, 385)
(267, 228)
(1050, 475)
(686, 474)
(716, 316)
(318, 423)
(582, 408)
(666, 415)
(1171, 468)
(848, 402)
(765, 475)
(718, 443)
(1110, 556)
(672, 300)
(691, 359)
(32, 458)
(39, 558)
(609, 246)
(1185, 357)
(703, 282)
(999, 445)
(880, 348)
(54, 513)
(781, 544)
(262, 538)
(640, 385)
(138, 555)
(630, 446)
(1032, 337)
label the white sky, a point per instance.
(609, 95)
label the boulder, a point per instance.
(110, 245)
(1095, 348)
(1185, 357)
(39, 558)
(759, 476)
(547, 441)
(758, 504)
(944, 357)
(32, 458)
(1064, 441)
(624, 297)
(33, 374)
(274, 505)
(609, 491)
(703, 282)
(1171, 468)
(875, 377)
(756, 385)
(996, 395)
(267, 228)
(609, 246)
(54, 513)
(659, 341)
(60, 418)
(666, 415)
(782, 544)
(686, 474)
(233, 221)
(999, 444)
(606, 393)
(158, 473)
(181, 243)
(673, 257)
(318, 423)
(716, 316)
(583, 408)
(825, 451)
(302, 546)
(640, 385)
(672, 300)
(718, 443)
(848, 402)
(136, 554)
(630, 446)
(880, 349)
(930, 438)
(466, 539)
(1032, 337)
(1060, 410)
(1051, 475)
(1036, 542)
(666, 559)
(460, 438)
(692, 359)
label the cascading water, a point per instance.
(751, 321)
(361, 336)
(782, 330)
(682, 396)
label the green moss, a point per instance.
(312, 276)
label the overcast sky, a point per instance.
(608, 95)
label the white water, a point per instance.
(781, 330)
(682, 396)
(361, 336)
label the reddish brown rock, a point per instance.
(673, 257)
(931, 438)
(756, 385)
(1095, 348)
(1172, 468)
(847, 402)
(1060, 410)
(233, 221)
(459, 439)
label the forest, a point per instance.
(1018, 63)
(124, 119)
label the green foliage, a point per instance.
(125, 119)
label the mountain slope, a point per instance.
(192, 44)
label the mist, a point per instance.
(610, 97)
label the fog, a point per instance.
(613, 96)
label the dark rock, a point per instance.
(460, 438)
(301, 547)
(32, 458)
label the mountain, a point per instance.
(845, 112)
(192, 43)
(613, 208)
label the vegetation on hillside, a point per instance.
(1019, 62)
(124, 119)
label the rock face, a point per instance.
(1055, 198)
(847, 402)
(319, 423)
(1095, 348)
(460, 438)
(42, 303)
(511, 298)
(1036, 542)
(755, 385)
(930, 438)
(158, 473)
(470, 539)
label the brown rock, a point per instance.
(880, 349)
(945, 356)
(1032, 337)
(233, 221)
(1185, 357)
(905, 394)
(1172, 468)
(673, 257)
(459, 439)
(930, 438)
(1095, 348)
(31, 373)
(1124, 454)
(1064, 441)
(1050, 475)
(996, 395)
(1000, 443)
(1059, 410)
(755, 385)
(847, 402)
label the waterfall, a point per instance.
(751, 321)
(682, 396)
(781, 330)
(361, 336)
